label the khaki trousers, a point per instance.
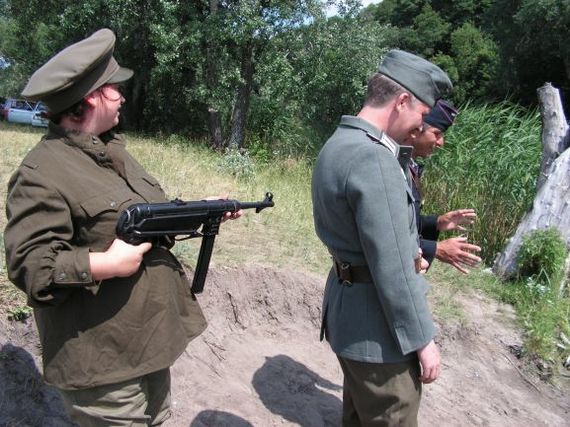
(143, 401)
(380, 394)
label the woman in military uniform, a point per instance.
(112, 317)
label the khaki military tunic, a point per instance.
(63, 202)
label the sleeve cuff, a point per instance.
(429, 248)
(72, 268)
(428, 229)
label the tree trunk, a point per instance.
(554, 130)
(214, 121)
(241, 106)
(551, 206)
(144, 57)
(215, 127)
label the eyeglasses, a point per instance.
(108, 92)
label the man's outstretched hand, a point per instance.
(458, 252)
(455, 220)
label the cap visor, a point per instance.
(122, 75)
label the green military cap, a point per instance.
(76, 71)
(425, 80)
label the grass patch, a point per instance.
(447, 286)
(541, 313)
(283, 235)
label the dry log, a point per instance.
(551, 207)
(555, 136)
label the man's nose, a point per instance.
(439, 142)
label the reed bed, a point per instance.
(490, 162)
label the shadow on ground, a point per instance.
(219, 419)
(299, 395)
(25, 400)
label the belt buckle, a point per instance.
(345, 274)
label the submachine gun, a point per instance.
(143, 222)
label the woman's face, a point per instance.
(111, 100)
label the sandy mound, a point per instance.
(260, 363)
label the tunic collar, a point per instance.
(375, 134)
(83, 140)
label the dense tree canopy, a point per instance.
(534, 45)
(492, 49)
(277, 74)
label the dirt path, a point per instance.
(260, 364)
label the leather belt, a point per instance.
(351, 273)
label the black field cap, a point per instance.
(425, 80)
(441, 115)
(76, 71)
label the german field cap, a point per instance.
(441, 115)
(76, 71)
(426, 81)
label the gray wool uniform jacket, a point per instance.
(363, 212)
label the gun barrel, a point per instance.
(258, 206)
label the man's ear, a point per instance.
(401, 101)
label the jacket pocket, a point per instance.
(109, 202)
(97, 223)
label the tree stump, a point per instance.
(551, 206)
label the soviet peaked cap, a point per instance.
(426, 81)
(76, 71)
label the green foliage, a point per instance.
(533, 40)
(310, 78)
(490, 162)
(427, 34)
(19, 314)
(192, 57)
(476, 61)
(259, 150)
(451, 35)
(541, 257)
(237, 163)
(543, 316)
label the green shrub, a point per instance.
(19, 314)
(258, 149)
(541, 257)
(238, 163)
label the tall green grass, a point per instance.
(490, 162)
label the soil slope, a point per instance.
(260, 363)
